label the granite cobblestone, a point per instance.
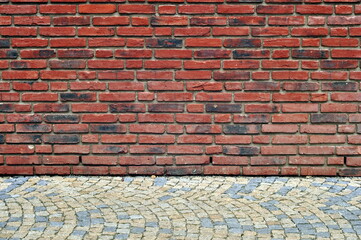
(180, 208)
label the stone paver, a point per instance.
(180, 208)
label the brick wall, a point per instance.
(231, 87)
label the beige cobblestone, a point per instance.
(180, 208)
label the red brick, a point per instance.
(222, 170)
(188, 160)
(148, 170)
(278, 128)
(318, 171)
(90, 170)
(16, 170)
(203, 42)
(314, 9)
(99, 160)
(109, 149)
(17, 9)
(185, 149)
(57, 9)
(73, 149)
(198, 139)
(275, 9)
(260, 171)
(23, 160)
(279, 150)
(99, 118)
(147, 149)
(289, 139)
(32, 20)
(163, 139)
(316, 150)
(60, 160)
(192, 31)
(279, 160)
(117, 171)
(230, 31)
(97, 9)
(288, 118)
(166, 9)
(52, 170)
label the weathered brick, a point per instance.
(224, 108)
(241, 129)
(328, 118)
(61, 138)
(242, 151)
(279, 160)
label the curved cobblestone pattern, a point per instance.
(180, 208)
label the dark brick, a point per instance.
(4, 43)
(232, 75)
(338, 64)
(108, 149)
(339, 86)
(241, 129)
(314, 54)
(202, 128)
(77, 97)
(71, 21)
(246, 21)
(242, 151)
(164, 43)
(146, 170)
(292, 86)
(164, 107)
(126, 107)
(107, 128)
(212, 54)
(224, 108)
(61, 138)
(67, 64)
(328, 118)
(46, 53)
(61, 118)
(9, 53)
(350, 172)
(12, 54)
(207, 21)
(86, 53)
(168, 21)
(19, 65)
(6, 107)
(2, 139)
(242, 43)
(262, 86)
(33, 128)
(184, 170)
(244, 54)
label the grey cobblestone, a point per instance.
(180, 208)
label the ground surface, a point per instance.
(179, 208)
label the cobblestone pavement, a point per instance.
(180, 208)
